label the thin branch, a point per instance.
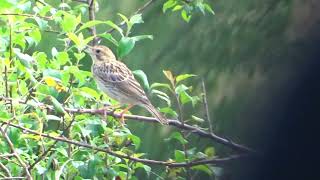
(205, 104)
(26, 15)
(92, 17)
(6, 170)
(215, 161)
(172, 122)
(5, 136)
(10, 178)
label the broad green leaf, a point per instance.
(183, 77)
(109, 37)
(169, 111)
(70, 22)
(41, 23)
(169, 4)
(181, 88)
(74, 38)
(177, 136)
(25, 59)
(126, 44)
(185, 16)
(136, 19)
(141, 75)
(177, 8)
(210, 151)
(35, 34)
(179, 156)
(156, 85)
(136, 140)
(203, 168)
(62, 58)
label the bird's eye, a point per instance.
(98, 51)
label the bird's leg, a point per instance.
(124, 112)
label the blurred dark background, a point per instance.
(260, 63)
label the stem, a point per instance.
(205, 104)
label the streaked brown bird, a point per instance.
(116, 80)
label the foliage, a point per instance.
(31, 77)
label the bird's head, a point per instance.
(100, 53)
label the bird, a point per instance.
(116, 80)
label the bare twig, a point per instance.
(205, 104)
(5, 136)
(26, 15)
(215, 161)
(6, 170)
(172, 122)
(92, 17)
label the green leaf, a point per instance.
(177, 8)
(62, 151)
(126, 44)
(141, 37)
(35, 34)
(185, 97)
(116, 27)
(197, 119)
(169, 111)
(185, 16)
(162, 96)
(177, 136)
(203, 168)
(183, 77)
(208, 8)
(41, 23)
(141, 75)
(109, 37)
(70, 22)
(179, 156)
(57, 106)
(136, 19)
(136, 140)
(181, 88)
(74, 38)
(156, 85)
(62, 58)
(167, 5)
(89, 24)
(25, 59)
(210, 151)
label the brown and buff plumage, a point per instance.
(116, 80)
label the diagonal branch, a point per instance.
(214, 161)
(5, 136)
(172, 122)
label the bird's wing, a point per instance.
(120, 76)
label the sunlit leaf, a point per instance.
(169, 4)
(183, 77)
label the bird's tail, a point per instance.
(156, 113)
